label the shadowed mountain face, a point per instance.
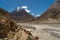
(22, 16)
(53, 12)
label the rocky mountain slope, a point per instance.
(4, 14)
(53, 13)
(21, 15)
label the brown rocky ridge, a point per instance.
(52, 15)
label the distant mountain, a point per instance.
(21, 15)
(53, 13)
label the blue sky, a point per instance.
(36, 7)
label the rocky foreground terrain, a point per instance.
(9, 30)
(43, 31)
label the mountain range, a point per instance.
(52, 15)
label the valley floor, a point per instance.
(43, 31)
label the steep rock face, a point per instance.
(22, 16)
(53, 12)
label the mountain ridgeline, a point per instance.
(4, 14)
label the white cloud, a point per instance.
(32, 14)
(18, 8)
(37, 15)
(26, 8)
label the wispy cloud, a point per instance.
(37, 15)
(26, 8)
(33, 14)
(18, 8)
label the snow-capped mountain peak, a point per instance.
(18, 8)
